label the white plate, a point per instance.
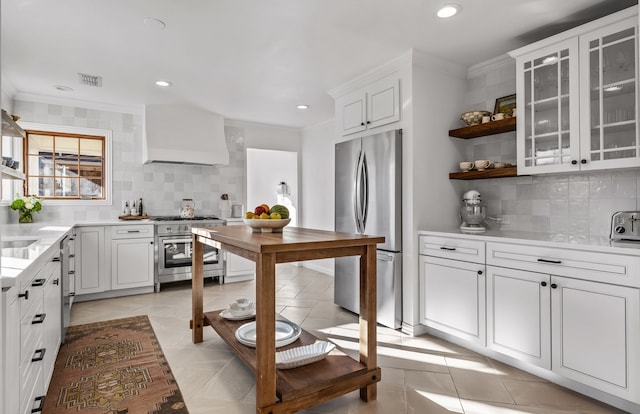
(303, 355)
(286, 333)
(227, 315)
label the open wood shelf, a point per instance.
(319, 380)
(490, 173)
(481, 130)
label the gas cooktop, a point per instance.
(178, 218)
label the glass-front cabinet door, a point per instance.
(548, 117)
(609, 65)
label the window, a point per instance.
(67, 164)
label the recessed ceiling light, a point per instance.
(302, 106)
(154, 23)
(63, 88)
(163, 83)
(448, 10)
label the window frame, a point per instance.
(64, 129)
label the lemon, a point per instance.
(275, 216)
(248, 214)
(264, 216)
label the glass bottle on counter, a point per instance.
(140, 208)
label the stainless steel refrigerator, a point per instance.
(368, 200)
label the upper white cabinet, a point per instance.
(372, 106)
(577, 98)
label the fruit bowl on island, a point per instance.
(267, 225)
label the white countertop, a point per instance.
(17, 259)
(594, 243)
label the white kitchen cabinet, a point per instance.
(453, 292)
(519, 314)
(91, 266)
(53, 322)
(596, 335)
(131, 256)
(237, 268)
(540, 305)
(11, 350)
(577, 98)
(375, 105)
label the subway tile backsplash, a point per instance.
(162, 186)
(569, 206)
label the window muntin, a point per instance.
(65, 166)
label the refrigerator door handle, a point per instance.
(365, 195)
(356, 196)
(384, 257)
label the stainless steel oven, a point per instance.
(173, 250)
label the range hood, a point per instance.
(182, 134)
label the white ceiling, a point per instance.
(255, 60)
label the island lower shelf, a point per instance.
(307, 385)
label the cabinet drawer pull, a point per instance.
(40, 355)
(451, 249)
(38, 282)
(72, 272)
(56, 281)
(543, 284)
(553, 286)
(24, 295)
(55, 259)
(133, 231)
(40, 406)
(39, 318)
(480, 272)
(72, 255)
(550, 261)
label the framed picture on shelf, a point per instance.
(505, 105)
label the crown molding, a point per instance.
(252, 124)
(77, 103)
(490, 65)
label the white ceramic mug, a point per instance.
(466, 166)
(497, 117)
(481, 165)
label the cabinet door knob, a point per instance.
(24, 295)
(56, 281)
(574, 162)
(362, 123)
(543, 284)
(368, 122)
(583, 161)
(553, 286)
(480, 272)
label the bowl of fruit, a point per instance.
(265, 219)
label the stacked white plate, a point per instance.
(286, 333)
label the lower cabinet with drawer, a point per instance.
(453, 290)
(574, 313)
(32, 335)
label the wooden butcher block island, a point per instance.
(292, 390)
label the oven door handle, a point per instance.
(164, 241)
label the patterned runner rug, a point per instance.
(113, 367)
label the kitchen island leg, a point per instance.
(197, 290)
(265, 331)
(368, 335)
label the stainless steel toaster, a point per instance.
(625, 225)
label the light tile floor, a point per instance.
(419, 374)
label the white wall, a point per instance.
(265, 170)
(318, 182)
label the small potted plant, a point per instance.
(26, 206)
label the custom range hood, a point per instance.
(182, 134)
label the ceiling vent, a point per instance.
(90, 80)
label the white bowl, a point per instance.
(239, 310)
(267, 225)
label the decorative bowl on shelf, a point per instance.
(267, 225)
(303, 355)
(474, 117)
